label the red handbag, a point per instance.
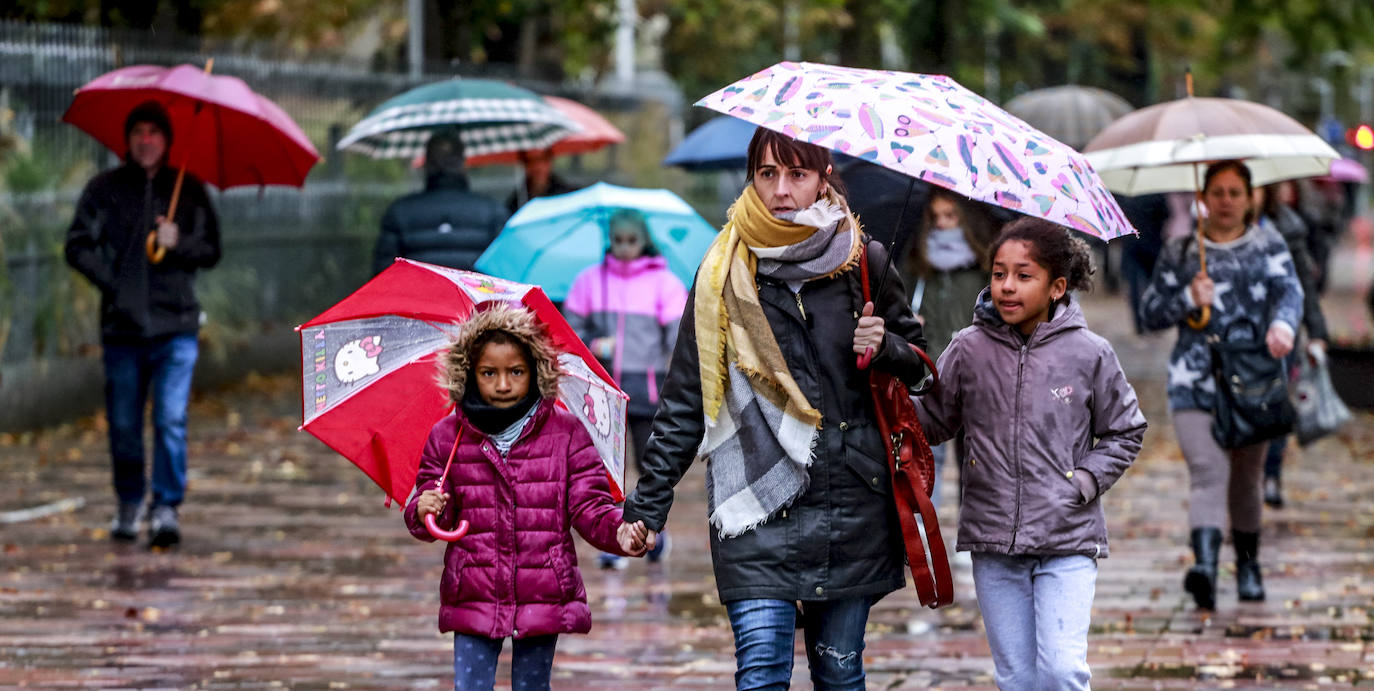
(912, 468)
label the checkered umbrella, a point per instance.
(494, 117)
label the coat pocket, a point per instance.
(564, 574)
(451, 583)
(872, 473)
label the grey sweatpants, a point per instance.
(1220, 480)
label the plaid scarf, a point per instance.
(760, 429)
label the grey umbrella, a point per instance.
(1072, 114)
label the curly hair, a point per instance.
(1053, 247)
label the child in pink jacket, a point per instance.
(524, 473)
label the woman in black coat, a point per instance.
(764, 385)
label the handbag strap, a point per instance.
(934, 587)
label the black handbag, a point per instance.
(1252, 403)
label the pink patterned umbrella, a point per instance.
(932, 129)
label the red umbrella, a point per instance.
(222, 131)
(368, 369)
(596, 133)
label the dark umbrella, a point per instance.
(720, 144)
(1072, 114)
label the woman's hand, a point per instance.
(868, 335)
(634, 538)
(431, 501)
(1280, 341)
(1202, 289)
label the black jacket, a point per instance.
(139, 299)
(444, 224)
(841, 537)
(556, 185)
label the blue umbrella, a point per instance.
(720, 144)
(551, 239)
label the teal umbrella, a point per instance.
(551, 239)
(493, 117)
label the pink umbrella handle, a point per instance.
(865, 359)
(446, 535)
(431, 524)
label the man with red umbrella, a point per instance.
(149, 316)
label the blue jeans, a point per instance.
(764, 635)
(474, 662)
(1036, 611)
(162, 366)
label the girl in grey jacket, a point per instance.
(1051, 423)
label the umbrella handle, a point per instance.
(431, 524)
(865, 359)
(155, 251)
(1199, 321)
(446, 535)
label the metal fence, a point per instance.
(288, 253)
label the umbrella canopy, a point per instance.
(596, 133)
(930, 128)
(494, 117)
(223, 132)
(1072, 114)
(551, 239)
(1348, 170)
(1156, 149)
(721, 143)
(368, 368)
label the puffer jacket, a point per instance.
(515, 573)
(140, 299)
(638, 303)
(840, 538)
(445, 224)
(1031, 410)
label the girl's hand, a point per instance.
(868, 335)
(633, 538)
(431, 501)
(1202, 289)
(1280, 342)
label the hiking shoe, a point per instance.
(124, 527)
(163, 530)
(660, 550)
(612, 562)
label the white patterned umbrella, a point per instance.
(493, 117)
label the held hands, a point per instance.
(431, 501)
(635, 539)
(167, 233)
(1280, 342)
(1202, 289)
(870, 331)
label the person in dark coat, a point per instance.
(764, 385)
(1277, 207)
(1148, 214)
(540, 180)
(446, 223)
(149, 317)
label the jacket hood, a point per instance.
(514, 320)
(635, 266)
(1067, 317)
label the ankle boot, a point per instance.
(1201, 579)
(1249, 585)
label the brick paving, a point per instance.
(293, 574)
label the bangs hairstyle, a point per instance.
(1053, 247)
(790, 152)
(634, 218)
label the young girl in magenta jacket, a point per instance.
(524, 473)
(1051, 423)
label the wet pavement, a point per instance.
(294, 575)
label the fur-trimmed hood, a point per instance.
(514, 320)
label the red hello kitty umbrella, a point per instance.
(369, 367)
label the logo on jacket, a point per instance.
(1063, 394)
